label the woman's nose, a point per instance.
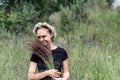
(41, 39)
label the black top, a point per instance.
(58, 54)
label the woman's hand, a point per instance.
(59, 79)
(53, 73)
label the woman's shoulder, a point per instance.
(60, 48)
(61, 52)
(35, 58)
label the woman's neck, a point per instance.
(52, 46)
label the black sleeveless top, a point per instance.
(58, 54)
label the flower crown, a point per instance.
(40, 25)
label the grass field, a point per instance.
(86, 62)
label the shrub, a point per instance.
(72, 14)
(21, 18)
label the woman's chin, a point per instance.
(44, 44)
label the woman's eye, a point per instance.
(43, 36)
(38, 37)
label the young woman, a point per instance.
(46, 33)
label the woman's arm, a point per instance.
(65, 69)
(32, 75)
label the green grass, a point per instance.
(95, 62)
(14, 59)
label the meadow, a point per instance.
(88, 59)
(93, 48)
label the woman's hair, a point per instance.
(45, 25)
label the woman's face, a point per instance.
(44, 36)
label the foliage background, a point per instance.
(88, 29)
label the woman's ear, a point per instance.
(52, 35)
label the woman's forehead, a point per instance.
(42, 31)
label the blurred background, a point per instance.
(88, 29)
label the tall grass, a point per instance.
(14, 59)
(85, 62)
(94, 63)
